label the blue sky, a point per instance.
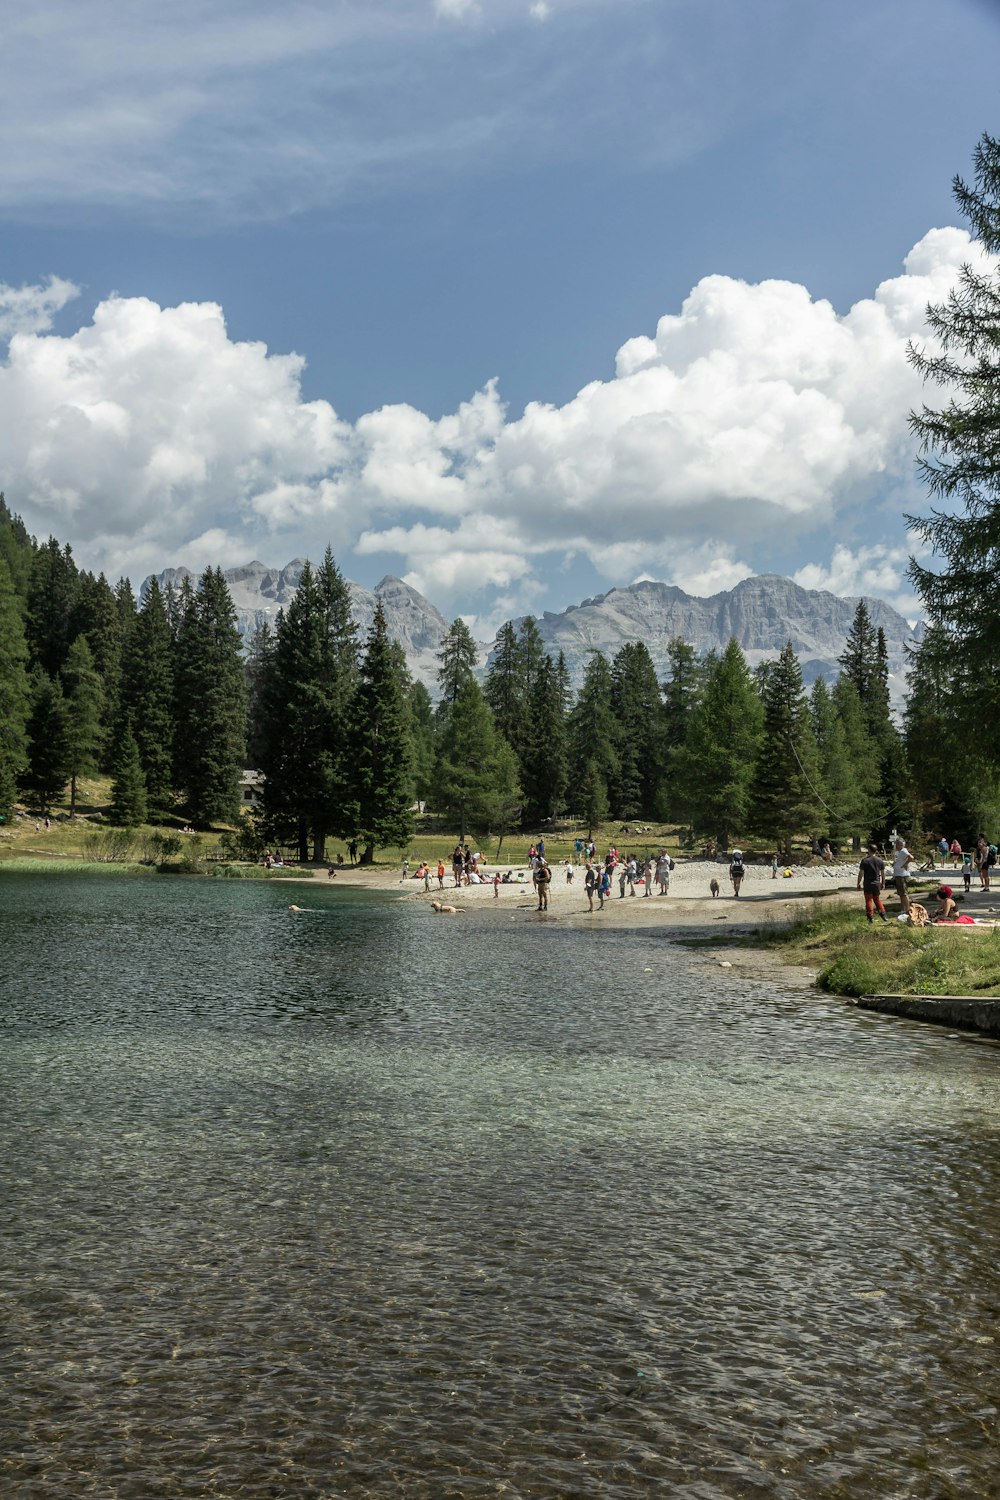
(467, 220)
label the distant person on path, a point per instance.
(352, 850)
(774, 867)
(955, 850)
(737, 870)
(901, 861)
(871, 880)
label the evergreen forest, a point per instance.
(165, 699)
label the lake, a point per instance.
(360, 1202)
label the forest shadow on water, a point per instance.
(352, 1202)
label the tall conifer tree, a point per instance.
(14, 692)
(714, 767)
(84, 699)
(210, 703)
(380, 773)
(785, 794)
(48, 766)
(147, 695)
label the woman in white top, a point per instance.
(901, 861)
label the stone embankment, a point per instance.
(963, 1012)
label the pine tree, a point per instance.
(17, 550)
(531, 649)
(960, 443)
(863, 757)
(714, 766)
(14, 692)
(50, 601)
(859, 656)
(848, 801)
(423, 740)
(339, 681)
(259, 659)
(210, 703)
(592, 798)
(380, 770)
(147, 695)
(309, 684)
(544, 768)
(504, 685)
(635, 704)
(785, 796)
(592, 734)
(96, 616)
(47, 771)
(128, 785)
(457, 658)
(680, 690)
(84, 699)
(475, 777)
(954, 774)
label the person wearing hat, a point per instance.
(948, 907)
(737, 870)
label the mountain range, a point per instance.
(763, 613)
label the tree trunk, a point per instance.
(303, 840)
(367, 855)
(319, 847)
(461, 822)
(72, 795)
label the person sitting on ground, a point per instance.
(947, 906)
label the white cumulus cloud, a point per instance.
(754, 419)
(31, 309)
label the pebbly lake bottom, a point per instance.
(361, 1203)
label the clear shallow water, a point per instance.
(361, 1203)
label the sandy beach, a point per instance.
(688, 904)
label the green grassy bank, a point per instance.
(888, 959)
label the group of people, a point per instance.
(599, 878)
(872, 876)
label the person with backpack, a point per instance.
(737, 870)
(542, 877)
(591, 881)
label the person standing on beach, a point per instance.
(871, 879)
(647, 876)
(591, 880)
(737, 870)
(901, 861)
(542, 877)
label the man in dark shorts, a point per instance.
(871, 879)
(542, 877)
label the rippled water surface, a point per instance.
(362, 1203)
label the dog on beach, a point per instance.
(713, 886)
(442, 908)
